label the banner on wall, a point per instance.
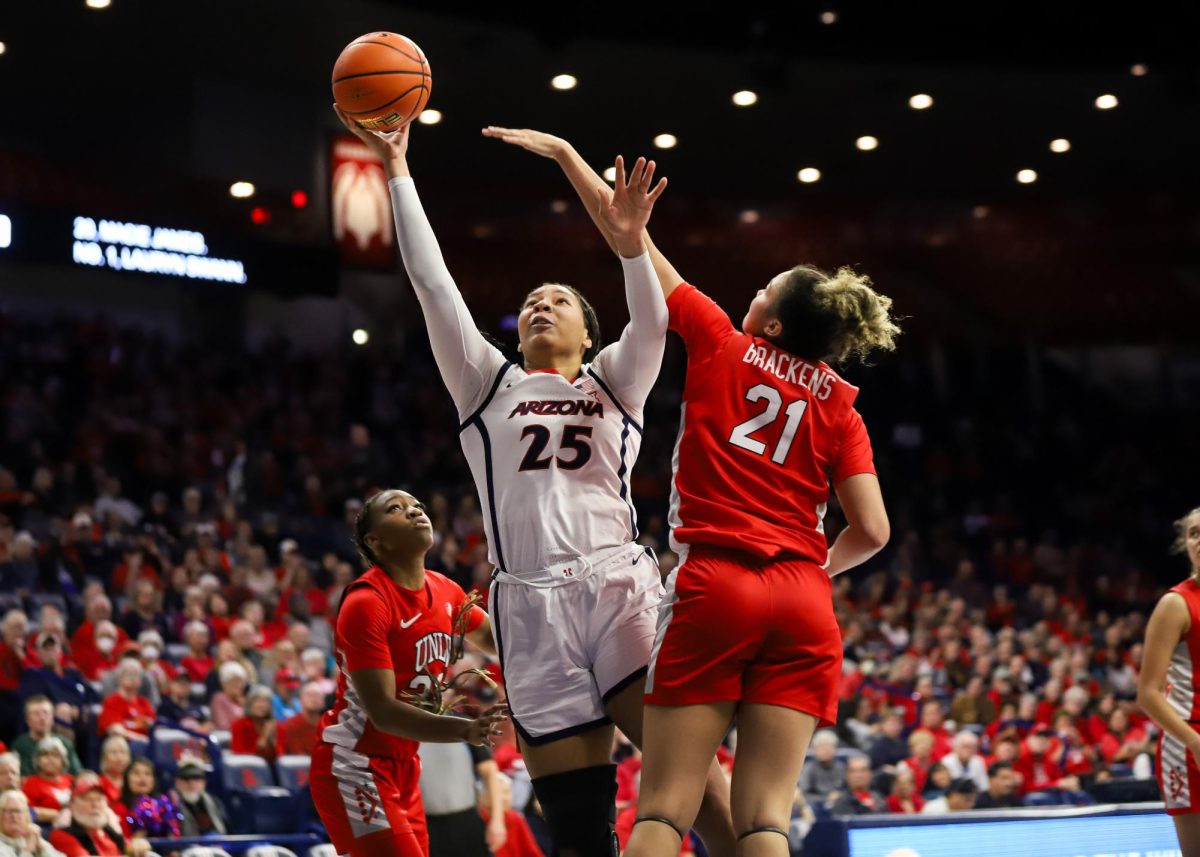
(362, 210)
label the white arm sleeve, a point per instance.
(468, 363)
(630, 365)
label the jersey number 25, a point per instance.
(741, 432)
(574, 438)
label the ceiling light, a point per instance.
(867, 143)
(610, 174)
(748, 216)
(1106, 102)
(430, 117)
(920, 101)
(3, 47)
(828, 17)
(666, 141)
(360, 336)
(1027, 176)
(1062, 144)
(564, 81)
(97, 4)
(241, 190)
(1138, 69)
(808, 175)
(744, 98)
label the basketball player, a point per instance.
(394, 636)
(551, 444)
(747, 629)
(1171, 652)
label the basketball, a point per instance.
(382, 81)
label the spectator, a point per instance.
(178, 707)
(904, 797)
(824, 773)
(64, 687)
(519, 841)
(201, 814)
(964, 760)
(13, 631)
(254, 733)
(1038, 770)
(920, 745)
(971, 706)
(449, 773)
(145, 611)
(49, 786)
(146, 810)
(856, 796)
(125, 712)
(227, 652)
(889, 748)
(314, 667)
(101, 658)
(10, 772)
(298, 733)
(89, 832)
(936, 782)
(19, 836)
(1002, 788)
(97, 609)
(115, 757)
(151, 649)
(229, 704)
(960, 795)
(933, 724)
(39, 718)
(1123, 743)
(285, 701)
(19, 573)
(197, 663)
(247, 640)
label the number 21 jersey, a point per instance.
(763, 437)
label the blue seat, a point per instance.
(1044, 798)
(291, 772)
(244, 772)
(271, 810)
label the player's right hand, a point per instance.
(387, 145)
(486, 726)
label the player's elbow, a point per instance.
(876, 532)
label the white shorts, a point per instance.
(573, 636)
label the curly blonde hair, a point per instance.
(833, 317)
(1181, 528)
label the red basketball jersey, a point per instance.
(383, 626)
(763, 437)
(1181, 690)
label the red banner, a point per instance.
(362, 210)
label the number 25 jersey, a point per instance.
(763, 437)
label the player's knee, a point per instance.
(580, 811)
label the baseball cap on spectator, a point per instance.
(286, 676)
(86, 784)
(191, 768)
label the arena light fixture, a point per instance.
(1138, 69)
(829, 17)
(610, 174)
(1027, 176)
(745, 97)
(867, 143)
(1106, 102)
(360, 336)
(430, 117)
(808, 175)
(241, 190)
(749, 216)
(564, 82)
(666, 141)
(920, 101)
(97, 4)
(559, 206)
(3, 48)
(1060, 145)
(979, 212)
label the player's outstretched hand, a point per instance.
(387, 145)
(538, 142)
(486, 726)
(626, 209)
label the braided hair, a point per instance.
(362, 526)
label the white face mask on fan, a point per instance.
(106, 644)
(150, 653)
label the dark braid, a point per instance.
(362, 526)
(591, 322)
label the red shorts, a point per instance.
(1178, 776)
(734, 627)
(370, 805)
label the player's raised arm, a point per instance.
(466, 360)
(585, 181)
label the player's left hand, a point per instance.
(538, 142)
(626, 209)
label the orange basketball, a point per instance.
(382, 81)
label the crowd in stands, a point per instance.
(174, 540)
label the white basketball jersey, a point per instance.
(552, 460)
